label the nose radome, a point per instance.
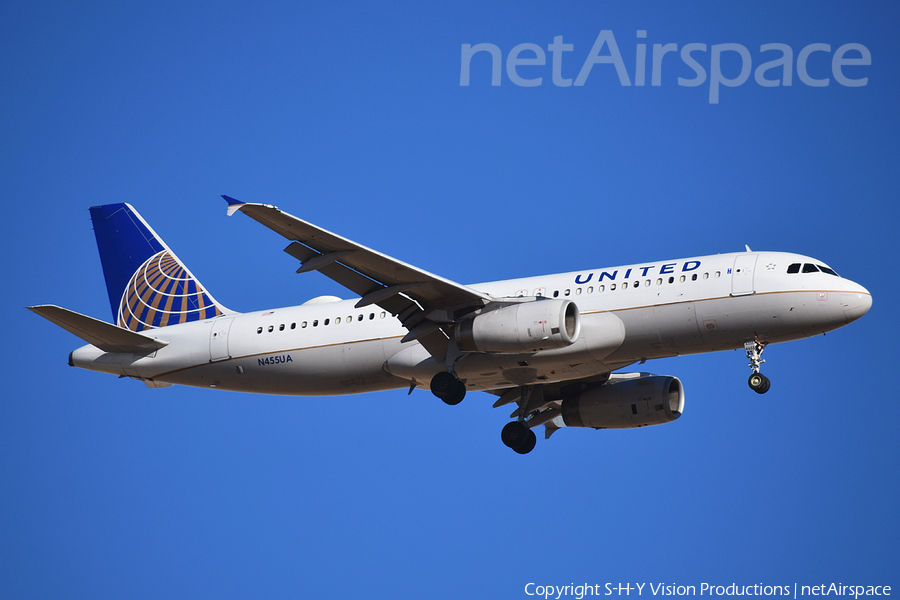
(856, 304)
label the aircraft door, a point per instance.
(742, 275)
(218, 339)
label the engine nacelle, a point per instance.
(637, 402)
(524, 327)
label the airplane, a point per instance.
(552, 345)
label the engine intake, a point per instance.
(525, 327)
(638, 402)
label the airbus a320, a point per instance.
(552, 346)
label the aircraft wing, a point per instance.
(423, 302)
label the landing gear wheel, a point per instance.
(528, 446)
(759, 383)
(518, 436)
(448, 388)
(458, 394)
(513, 433)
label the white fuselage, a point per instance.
(629, 314)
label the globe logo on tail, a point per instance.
(163, 292)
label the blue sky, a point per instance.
(353, 117)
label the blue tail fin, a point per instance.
(148, 286)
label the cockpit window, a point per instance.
(810, 268)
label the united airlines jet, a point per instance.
(551, 345)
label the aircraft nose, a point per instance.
(856, 303)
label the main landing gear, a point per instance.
(758, 382)
(516, 435)
(448, 387)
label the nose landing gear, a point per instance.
(758, 382)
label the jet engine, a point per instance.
(634, 402)
(524, 327)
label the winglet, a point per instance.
(233, 204)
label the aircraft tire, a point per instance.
(528, 446)
(759, 383)
(448, 388)
(515, 435)
(458, 394)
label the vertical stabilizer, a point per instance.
(148, 286)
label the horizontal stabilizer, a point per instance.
(107, 337)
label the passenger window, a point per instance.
(794, 268)
(567, 292)
(694, 277)
(350, 319)
(624, 285)
(681, 279)
(578, 291)
(271, 328)
(337, 321)
(612, 287)
(706, 276)
(281, 327)
(359, 318)
(383, 314)
(601, 288)
(303, 325)
(556, 294)
(808, 268)
(671, 280)
(316, 323)
(371, 316)
(647, 283)
(293, 326)
(718, 273)
(659, 281)
(259, 330)
(326, 322)
(590, 289)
